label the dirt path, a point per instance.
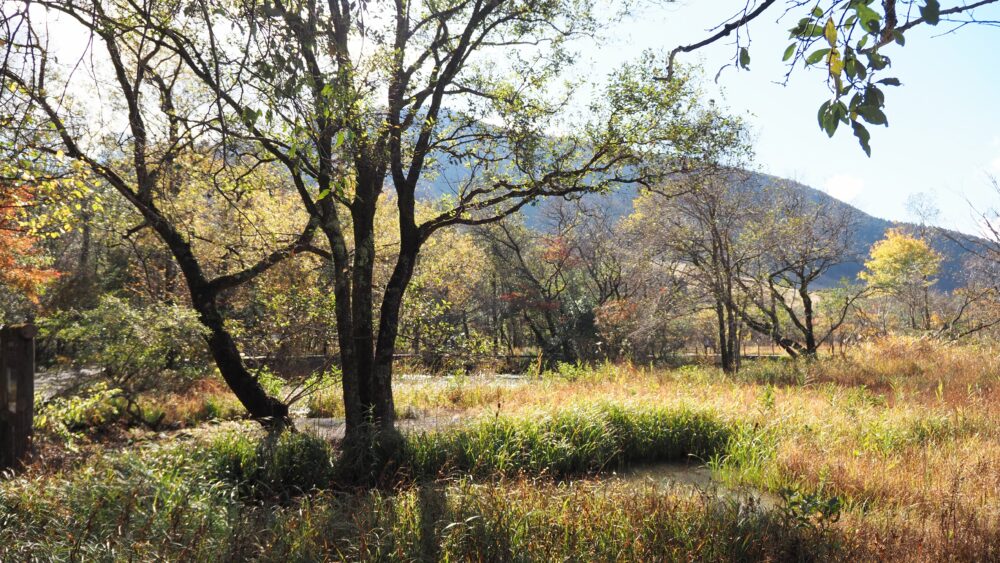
(50, 383)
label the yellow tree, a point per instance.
(905, 267)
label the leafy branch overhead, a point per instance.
(847, 39)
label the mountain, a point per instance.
(869, 229)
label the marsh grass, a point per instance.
(163, 505)
(273, 466)
(579, 441)
(891, 451)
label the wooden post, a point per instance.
(17, 393)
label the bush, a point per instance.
(773, 372)
(205, 399)
(272, 383)
(157, 346)
(163, 504)
(95, 410)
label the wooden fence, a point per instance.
(17, 393)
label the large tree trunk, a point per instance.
(341, 274)
(362, 318)
(204, 298)
(384, 410)
(720, 314)
(734, 339)
(261, 406)
(812, 347)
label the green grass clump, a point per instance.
(887, 435)
(572, 442)
(581, 521)
(280, 466)
(773, 372)
(578, 441)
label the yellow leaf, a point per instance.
(836, 63)
(830, 32)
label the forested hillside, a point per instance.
(868, 229)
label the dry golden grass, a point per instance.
(205, 399)
(905, 431)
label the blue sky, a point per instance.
(944, 133)
(943, 137)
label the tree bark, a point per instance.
(204, 299)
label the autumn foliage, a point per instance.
(19, 268)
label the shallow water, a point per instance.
(694, 476)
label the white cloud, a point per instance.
(844, 187)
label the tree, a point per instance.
(164, 147)
(356, 98)
(905, 267)
(539, 279)
(20, 271)
(702, 222)
(642, 318)
(557, 273)
(801, 242)
(981, 294)
(448, 294)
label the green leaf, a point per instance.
(830, 32)
(872, 115)
(877, 61)
(855, 102)
(817, 12)
(250, 116)
(863, 137)
(869, 18)
(789, 51)
(830, 124)
(898, 36)
(931, 12)
(821, 116)
(830, 114)
(890, 81)
(839, 110)
(744, 58)
(806, 29)
(874, 96)
(816, 56)
(851, 67)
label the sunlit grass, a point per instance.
(903, 437)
